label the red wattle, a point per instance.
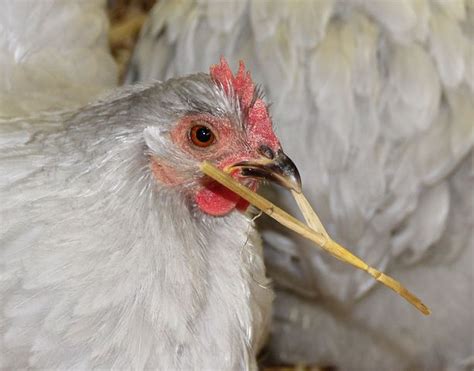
(217, 200)
(242, 205)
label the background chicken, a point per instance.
(115, 251)
(52, 65)
(374, 101)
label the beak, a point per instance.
(279, 169)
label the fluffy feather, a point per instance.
(67, 57)
(101, 267)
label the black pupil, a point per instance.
(203, 134)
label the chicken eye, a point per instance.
(202, 136)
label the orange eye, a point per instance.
(202, 136)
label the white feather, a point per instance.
(73, 67)
(448, 46)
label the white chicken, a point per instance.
(374, 100)
(115, 250)
(53, 54)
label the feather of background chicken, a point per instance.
(375, 102)
(41, 71)
(52, 65)
(98, 267)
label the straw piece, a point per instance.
(320, 237)
(128, 28)
(399, 289)
(313, 221)
(309, 215)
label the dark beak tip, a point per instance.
(289, 172)
(280, 170)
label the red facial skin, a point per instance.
(229, 147)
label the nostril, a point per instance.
(266, 151)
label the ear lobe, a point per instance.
(157, 141)
(164, 173)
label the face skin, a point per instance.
(229, 145)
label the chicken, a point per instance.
(115, 250)
(53, 55)
(374, 101)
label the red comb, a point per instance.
(242, 83)
(244, 88)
